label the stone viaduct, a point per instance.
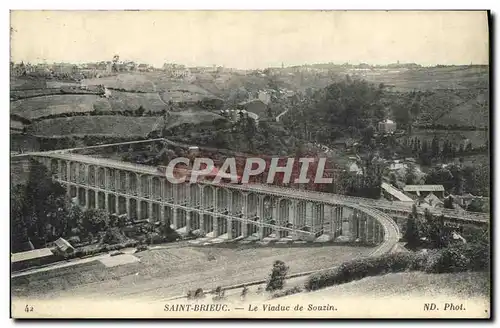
(220, 210)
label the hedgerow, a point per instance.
(459, 258)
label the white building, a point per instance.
(387, 126)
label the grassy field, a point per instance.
(121, 101)
(126, 81)
(474, 112)
(431, 78)
(95, 125)
(32, 108)
(464, 284)
(116, 125)
(170, 272)
(17, 83)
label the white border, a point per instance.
(187, 5)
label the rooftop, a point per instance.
(423, 188)
(396, 192)
(30, 255)
(63, 245)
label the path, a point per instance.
(281, 114)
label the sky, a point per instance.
(251, 39)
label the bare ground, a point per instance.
(172, 272)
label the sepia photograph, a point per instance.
(250, 164)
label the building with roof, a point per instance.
(63, 247)
(31, 258)
(424, 190)
(392, 193)
(354, 168)
(467, 198)
(387, 126)
(433, 201)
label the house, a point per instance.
(143, 67)
(264, 97)
(424, 190)
(386, 127)
(353, 167)
(35, 257)
(63, 247)
(433, 201)
(397, 165)
(466, 199)
(392, 193)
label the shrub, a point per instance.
(362, 268)
(278, 276)
(199, 293)
(456, 258)
(459, 258)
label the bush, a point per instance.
(456, 258)
(278, 276)
(154, 238)
(460, 258)
(359, 269)
(286, 292)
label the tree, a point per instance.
(367, 134)
(425, 158)
(475, 206)
(140, 111)
(394, 179)
(278, 276)
(269, 112)
(437, 234)
(435, 147)
(199, 293)
(244, 292)
(112, 236)
(94, 220)
(412, 234)
(18, 226)
(448, 202)
(116, 58)
(411, 176)
(44, 206)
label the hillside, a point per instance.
(126, 81)
(121, 101)
(32, 108)
(414, 284)
(474, 112)
(115, 125)
(465, 105)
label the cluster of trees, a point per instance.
(41, 212)
(343, 108)
(458, 180)
(364, 185)
(39, 209)
(436, 234)
(432, 150)
(244, 135)
(431, 232)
